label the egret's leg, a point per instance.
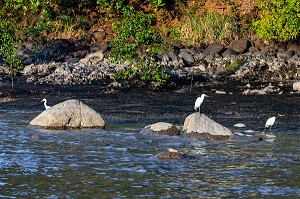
(265, 129)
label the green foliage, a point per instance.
(156, 4)
(235, 65)
(20, 6)
(112, 7)
(134, 32)
(8, 47)
(280, 19)
(145, 71)
(175, 34)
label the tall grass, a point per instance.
(206, 27)
(67, 27)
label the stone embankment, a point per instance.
(79, 62)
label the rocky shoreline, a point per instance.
(244, 61)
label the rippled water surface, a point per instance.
(119, 162)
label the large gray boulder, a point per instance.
(68, 114)
(161, 128)
(202, 127)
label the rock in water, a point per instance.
(202, 127)
(245, 137)
(162, 128)
(240, 125)
(171, 154)
(68, 114)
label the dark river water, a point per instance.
(119, 162)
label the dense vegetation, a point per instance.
(280, 19)
(142, 28)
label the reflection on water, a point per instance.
(119, 162)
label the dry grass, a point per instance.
(66, 27)
(206, 27)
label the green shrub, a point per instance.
(156, 4)
(134, 33)
(8, 47)
(146, 71)
(279, 19)
(112, 7)
(235, 65)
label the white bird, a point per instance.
(199, 101)
(45, 104)
(270, 122)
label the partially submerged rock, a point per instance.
(68, 114)
(239, 125)
(171, 154)
(245, 137)
(202, 127)
(162, 128)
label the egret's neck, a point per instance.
(45, 103)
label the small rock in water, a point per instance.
(161, 128)
(35, 137)
(171, 154)
(172, 150)
(245, 137)
(240, 125)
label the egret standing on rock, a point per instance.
(45, 104)
(199, 101)
(270, 122)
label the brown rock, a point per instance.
(99, 35)
(213, 48)
(239, 46)
(171, 154)
(259, 44)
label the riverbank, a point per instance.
(253, 66)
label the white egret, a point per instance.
(45, 104)
(270, 122)
(199, 101)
